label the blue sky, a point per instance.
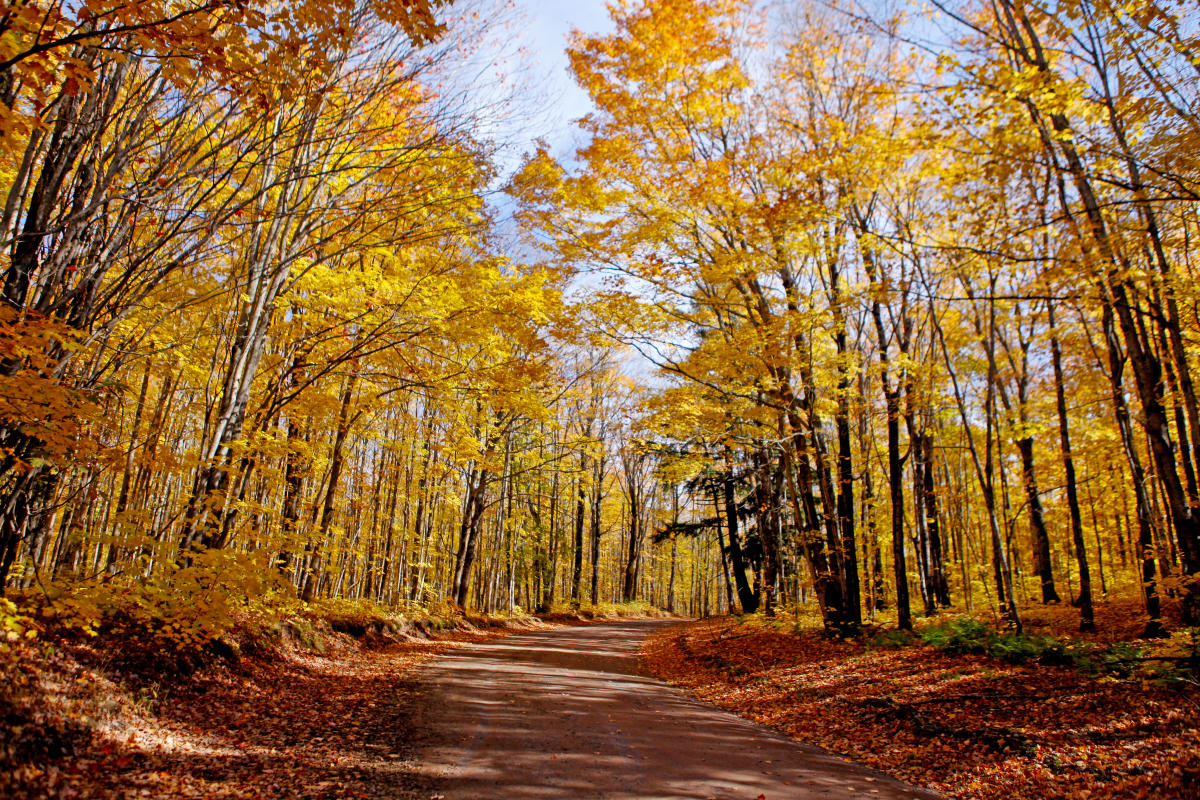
(523, 53)
(508, 72)
(550, 23)
(515, 82)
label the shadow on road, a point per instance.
(568, 714)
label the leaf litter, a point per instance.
(297, 724)
(968, 726)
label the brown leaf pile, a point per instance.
(296, 725)
(967, 726)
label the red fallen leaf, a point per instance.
(944, 721)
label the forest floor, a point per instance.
(76, 723)
(965, 725)
(331, 717)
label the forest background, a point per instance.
(863, 313)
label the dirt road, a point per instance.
(567, 714)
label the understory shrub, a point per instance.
(173, 614)
(966, 635)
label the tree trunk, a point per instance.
(577, 550)
(1145, 514)
(312, 580)
(747, 597)
(468, 538)
(1087, 619)
(597, 498)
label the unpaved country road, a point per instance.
(568, 714)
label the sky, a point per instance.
(547, 27)
(533, 59)
(524, 48)
(516, 85)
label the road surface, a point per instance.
(567, 714)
